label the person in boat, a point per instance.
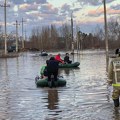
(66, 59)
(43, 71)
(114, 77)
(52, 69)
(58, 58)
(117, 51)
(43, 51)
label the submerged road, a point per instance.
(85, 97)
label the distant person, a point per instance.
(43, 51)
(117, 51)
(66, 59)
(58, 58)
(114, 77)
(52, 69)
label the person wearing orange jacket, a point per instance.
(58, 58)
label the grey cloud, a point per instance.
(48, 9)
(37, 1)
(29, 8)
(76, 9)
(90, 2)
(17, 1)
(109, 1)
(65, 7)
(93, 2)
(28, 1)
(115, 7)
(66, 10)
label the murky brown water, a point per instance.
(85, 97)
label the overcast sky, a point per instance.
(87, 14)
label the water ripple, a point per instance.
(85, 97)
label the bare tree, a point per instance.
(99, 36)
(66, 34)
(54, 37)
(114, 33)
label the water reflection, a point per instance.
(4, 90)
(68, 71)
(53, 105)
(53, 99)
(17, 65)
(116, 114)
(85, 97)
(6, 67)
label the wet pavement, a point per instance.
(85, 97)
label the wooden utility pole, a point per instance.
(16, 35)
(25, 35)
(23, 43)
(5, 25)
(72, 34)
(78, 41)
(106, 35)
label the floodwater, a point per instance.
(85, 97)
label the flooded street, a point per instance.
(85, 97)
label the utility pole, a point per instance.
(72, 33)
(23, 44)
(16, 35)
(106, 34)
(5, 25)
(78, 41)
(25, 35)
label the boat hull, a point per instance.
(72, 65)
(43, 54)
(44, 82)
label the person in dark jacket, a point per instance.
(66, 59)
(117, 51)
(52, 69)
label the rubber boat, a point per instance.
(44, 54)
(43, 82)
(72, 65)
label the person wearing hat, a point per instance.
(114, 77)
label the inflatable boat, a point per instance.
(72, 65)
(43, 82)
(44, 54)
